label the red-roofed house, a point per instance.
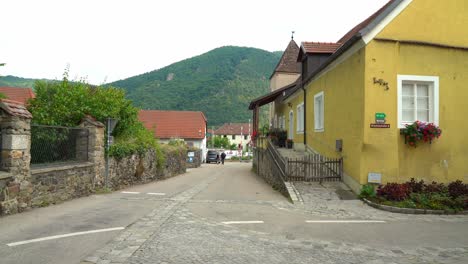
(21, 95)
(238, 133)
(189, 126)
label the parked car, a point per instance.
(212, 156)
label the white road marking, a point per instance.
(131, 192)
(345, 221)
(156, 193)
(242, 222)
(64, 235)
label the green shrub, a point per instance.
(367, 191)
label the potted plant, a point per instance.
(420, 131)
(289, 143)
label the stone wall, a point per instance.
(55, 184)
(22, 187)
(264, 166)
(15, 177)
(175, 161)
(138, 169)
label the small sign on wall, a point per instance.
(380, 121)
(374, 177)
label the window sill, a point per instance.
(300, 132)
(319, 130)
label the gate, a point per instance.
(314, 168)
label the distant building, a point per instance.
(237, 133)
(189, 126)
(17, 94)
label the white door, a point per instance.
(291, 125)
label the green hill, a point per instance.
(221, 83)
(13, 81)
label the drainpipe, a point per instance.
(305, 116)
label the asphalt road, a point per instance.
(231, 194)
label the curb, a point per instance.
(411, 210)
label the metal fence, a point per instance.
(58, 144)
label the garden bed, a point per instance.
(415, 197)
(403, 210)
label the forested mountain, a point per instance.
(13, 81)
(221, 83)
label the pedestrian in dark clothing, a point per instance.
(223, 156)
(217, 158)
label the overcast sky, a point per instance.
(108, 40)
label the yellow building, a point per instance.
(407, 62)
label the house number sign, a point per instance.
(380, 121)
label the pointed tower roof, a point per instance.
(288, 62)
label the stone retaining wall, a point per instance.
(138, 169)
(23, 187)
(265, 168)
(56, 184)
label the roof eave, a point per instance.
(334, 56)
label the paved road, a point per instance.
(202, 219)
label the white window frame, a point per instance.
(300, 118)
(433, 82)
(319, 127)
(291, 125)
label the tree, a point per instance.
(220, 142)
(64, 103)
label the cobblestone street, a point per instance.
(190, 228)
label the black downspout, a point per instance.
(305, 116)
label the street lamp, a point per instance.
(111, 123)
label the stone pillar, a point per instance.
(96, 150)
(15, 195)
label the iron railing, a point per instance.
(277, 158)
(58, 144)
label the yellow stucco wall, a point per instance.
(384, 150)
(343, 115)
(444, 22)
(283, 109)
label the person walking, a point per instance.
(223, 156)
(218, 158)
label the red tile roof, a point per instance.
(14, 108)
(233, 129)
(288, 62)
(174, 124)
(320, 47)
(21, 95)
(364, 23)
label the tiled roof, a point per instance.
(364, 23)
(288, 62)
(14, 108)
(174, 124)
(21, 95)
(320, 47)
(356, 34)
(233, 129)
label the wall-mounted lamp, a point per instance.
(290, 105)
